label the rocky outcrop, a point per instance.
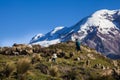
(17, 49)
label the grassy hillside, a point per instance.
(23, 62)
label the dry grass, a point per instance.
(8, 69)
(54, 71)
(36, 57)
(23, 65)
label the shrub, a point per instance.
(23, 66)
(43, 68)
(36, 58)
(71, 75)
(9, 68)
(36, 48)
(54, 71)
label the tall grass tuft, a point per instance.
(54, 71)
(36, 58)
(23, 65)
(8, 69)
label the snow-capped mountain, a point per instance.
(100, 31)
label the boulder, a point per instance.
(6, 50)
(77, 59)
(103, 67)
(115, 63)
(116, 71)
(97, 66)
(107, 72)
(107, 67)
(22, 49)
(15, 53)
(91, 56)
(82, 57)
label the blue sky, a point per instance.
(20, 20)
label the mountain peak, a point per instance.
(100, 20)
(56, 29)
(36, 37)
(100, 31)
(103, 12)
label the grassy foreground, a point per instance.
(23, 62)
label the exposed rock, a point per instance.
(107, 72)
(117, 71)
(103, 67)
(107, 67)
(50, 60)
(82, 57)
(97, 66)
(15, 53)
(22, 49)
(6, 50)
(91, 56)
(77, 59)
(115, 63)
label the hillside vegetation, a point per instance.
(25, 62)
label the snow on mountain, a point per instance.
(56, 29)
(46, 43)
(50, 38)
(36, 37)
(101, 20)
(100, 31)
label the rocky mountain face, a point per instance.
(100, 31)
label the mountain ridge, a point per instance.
(100, 31)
